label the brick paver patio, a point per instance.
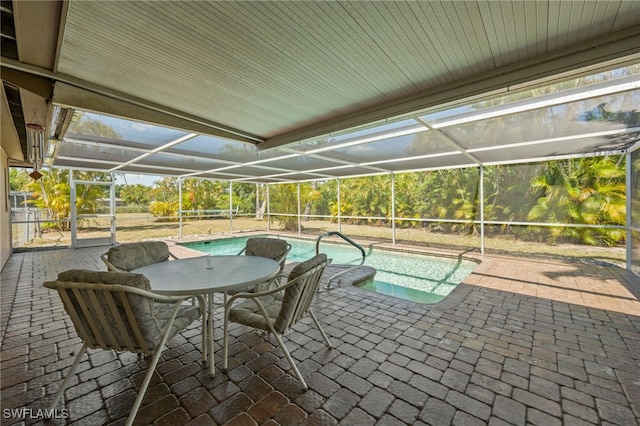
(520, 342)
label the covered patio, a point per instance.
(272, 93)
(520, 341)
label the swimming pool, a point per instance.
(415, 277)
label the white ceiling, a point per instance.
(273, 73)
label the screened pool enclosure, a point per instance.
(487, 151)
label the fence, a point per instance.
(26, 224)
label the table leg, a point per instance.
(205, 340)
(212, 367)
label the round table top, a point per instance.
(208, 274)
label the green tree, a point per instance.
(449, 194)
(53, 193)
(200, 195)
(164, 199)
(368, 196)
(244, 197)
(283, 199)
(84, 124)
(327, 195)
(407, 198)
(137, 194)
(509, 196)
(583, 191)
(19, 179)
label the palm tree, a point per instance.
(201, 195)
(283, 199)
(137, 194)
(587, 191)
(53, 193)
(407, 198)
(366, 197)
(164, 199)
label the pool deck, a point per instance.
(519, 342)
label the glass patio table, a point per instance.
(207, 275)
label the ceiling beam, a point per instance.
(69, 96)
(10, 141)
(71, 92)
(40, 86)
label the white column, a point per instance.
(339, 208)
(481, 209)
(299, 212)
(268, 207)
(231, 207)
(393, 208)
(180, 206)
(629, 194)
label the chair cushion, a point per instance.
(161, 315)
(102, 277)
(150, 315)
(136, 255)
(248, 313)
(291, 294)
(280, 312)
(307, 265)
(272, 248)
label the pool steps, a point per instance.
(346, 268)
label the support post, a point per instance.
(231, 207)
(180, 207)
(481, 209)
(339, 208)
(393, 208)
(629, 194)
(299, 213)
(268, 207)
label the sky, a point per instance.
(132, 179)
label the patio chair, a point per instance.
(271, 248)
(128, 256)
(264, 311)
(117, 310)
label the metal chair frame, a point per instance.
(122, 333)
(308, 286)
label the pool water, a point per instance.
(415, 277)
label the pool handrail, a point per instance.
(350, 241)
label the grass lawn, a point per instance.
(142, 226)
